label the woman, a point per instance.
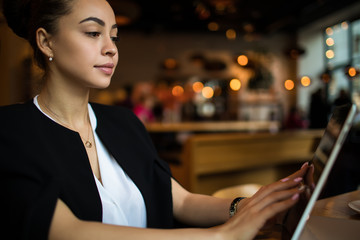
(74, 170)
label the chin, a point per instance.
(101, 84)
(100, 87)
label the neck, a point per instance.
(69, 109)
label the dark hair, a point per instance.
(24, 17)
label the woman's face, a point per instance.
(84, 49)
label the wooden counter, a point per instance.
(216, 160)
(227, 126)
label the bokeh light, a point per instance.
(330, 42)
(344, 25)
(289, 84)
(230, 34)
(197, 86)
(177, 91)
(330, 54)
(235, 84)
(329, 31)
(170, 63)
(352, 72)
(242, 60)
(207, 92)
(213, 26)
(305, 81)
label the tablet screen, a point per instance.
(323, 161)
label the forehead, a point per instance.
(83, 9)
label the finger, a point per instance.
(310, 177)
(284, 183)
(271, 188)
(301, 172)
(278, 197)
(278, 207)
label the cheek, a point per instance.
(116, 59)
(74, 49)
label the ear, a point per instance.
(44, 42)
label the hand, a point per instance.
(307, 173)
(253, 213)
(291, 216)
(309, 179)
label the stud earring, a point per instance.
(50, 59)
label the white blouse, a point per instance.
(122, 202)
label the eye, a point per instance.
(93, 34)
(115, 39)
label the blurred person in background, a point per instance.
(319, 110)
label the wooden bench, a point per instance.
(216, 160)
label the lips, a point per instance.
(106, 68)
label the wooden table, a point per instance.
(336, 208)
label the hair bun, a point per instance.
(17, 15)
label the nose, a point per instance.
(109, 47)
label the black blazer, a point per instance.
(41, 161)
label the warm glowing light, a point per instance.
(197, 86)
(249, 28)
(177, 91)
(122, 20)
(305, 81)
(329, 31)
(220, 7)
(242, 60)
(170, 63)
(202, 11)
(230, 34)
(235, 84)
(330, 54)
(213, 26)
(289, 84)
(352, 72)
(344, 25)
(330, 42)
(207, 92)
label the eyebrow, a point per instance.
(98, 21)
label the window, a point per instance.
(342, 50)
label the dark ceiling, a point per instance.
(245, 16)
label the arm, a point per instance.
(267, 206)
(198, 210)
(252, 215)
(65, 226)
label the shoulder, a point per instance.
(15, 108)
(15, 113)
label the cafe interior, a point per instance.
(232, 92)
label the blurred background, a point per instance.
(243, 66)
(217, 59)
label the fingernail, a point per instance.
(295, 196)
(285, 179)
(304, 165)
(299, 179)
(302, 187)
